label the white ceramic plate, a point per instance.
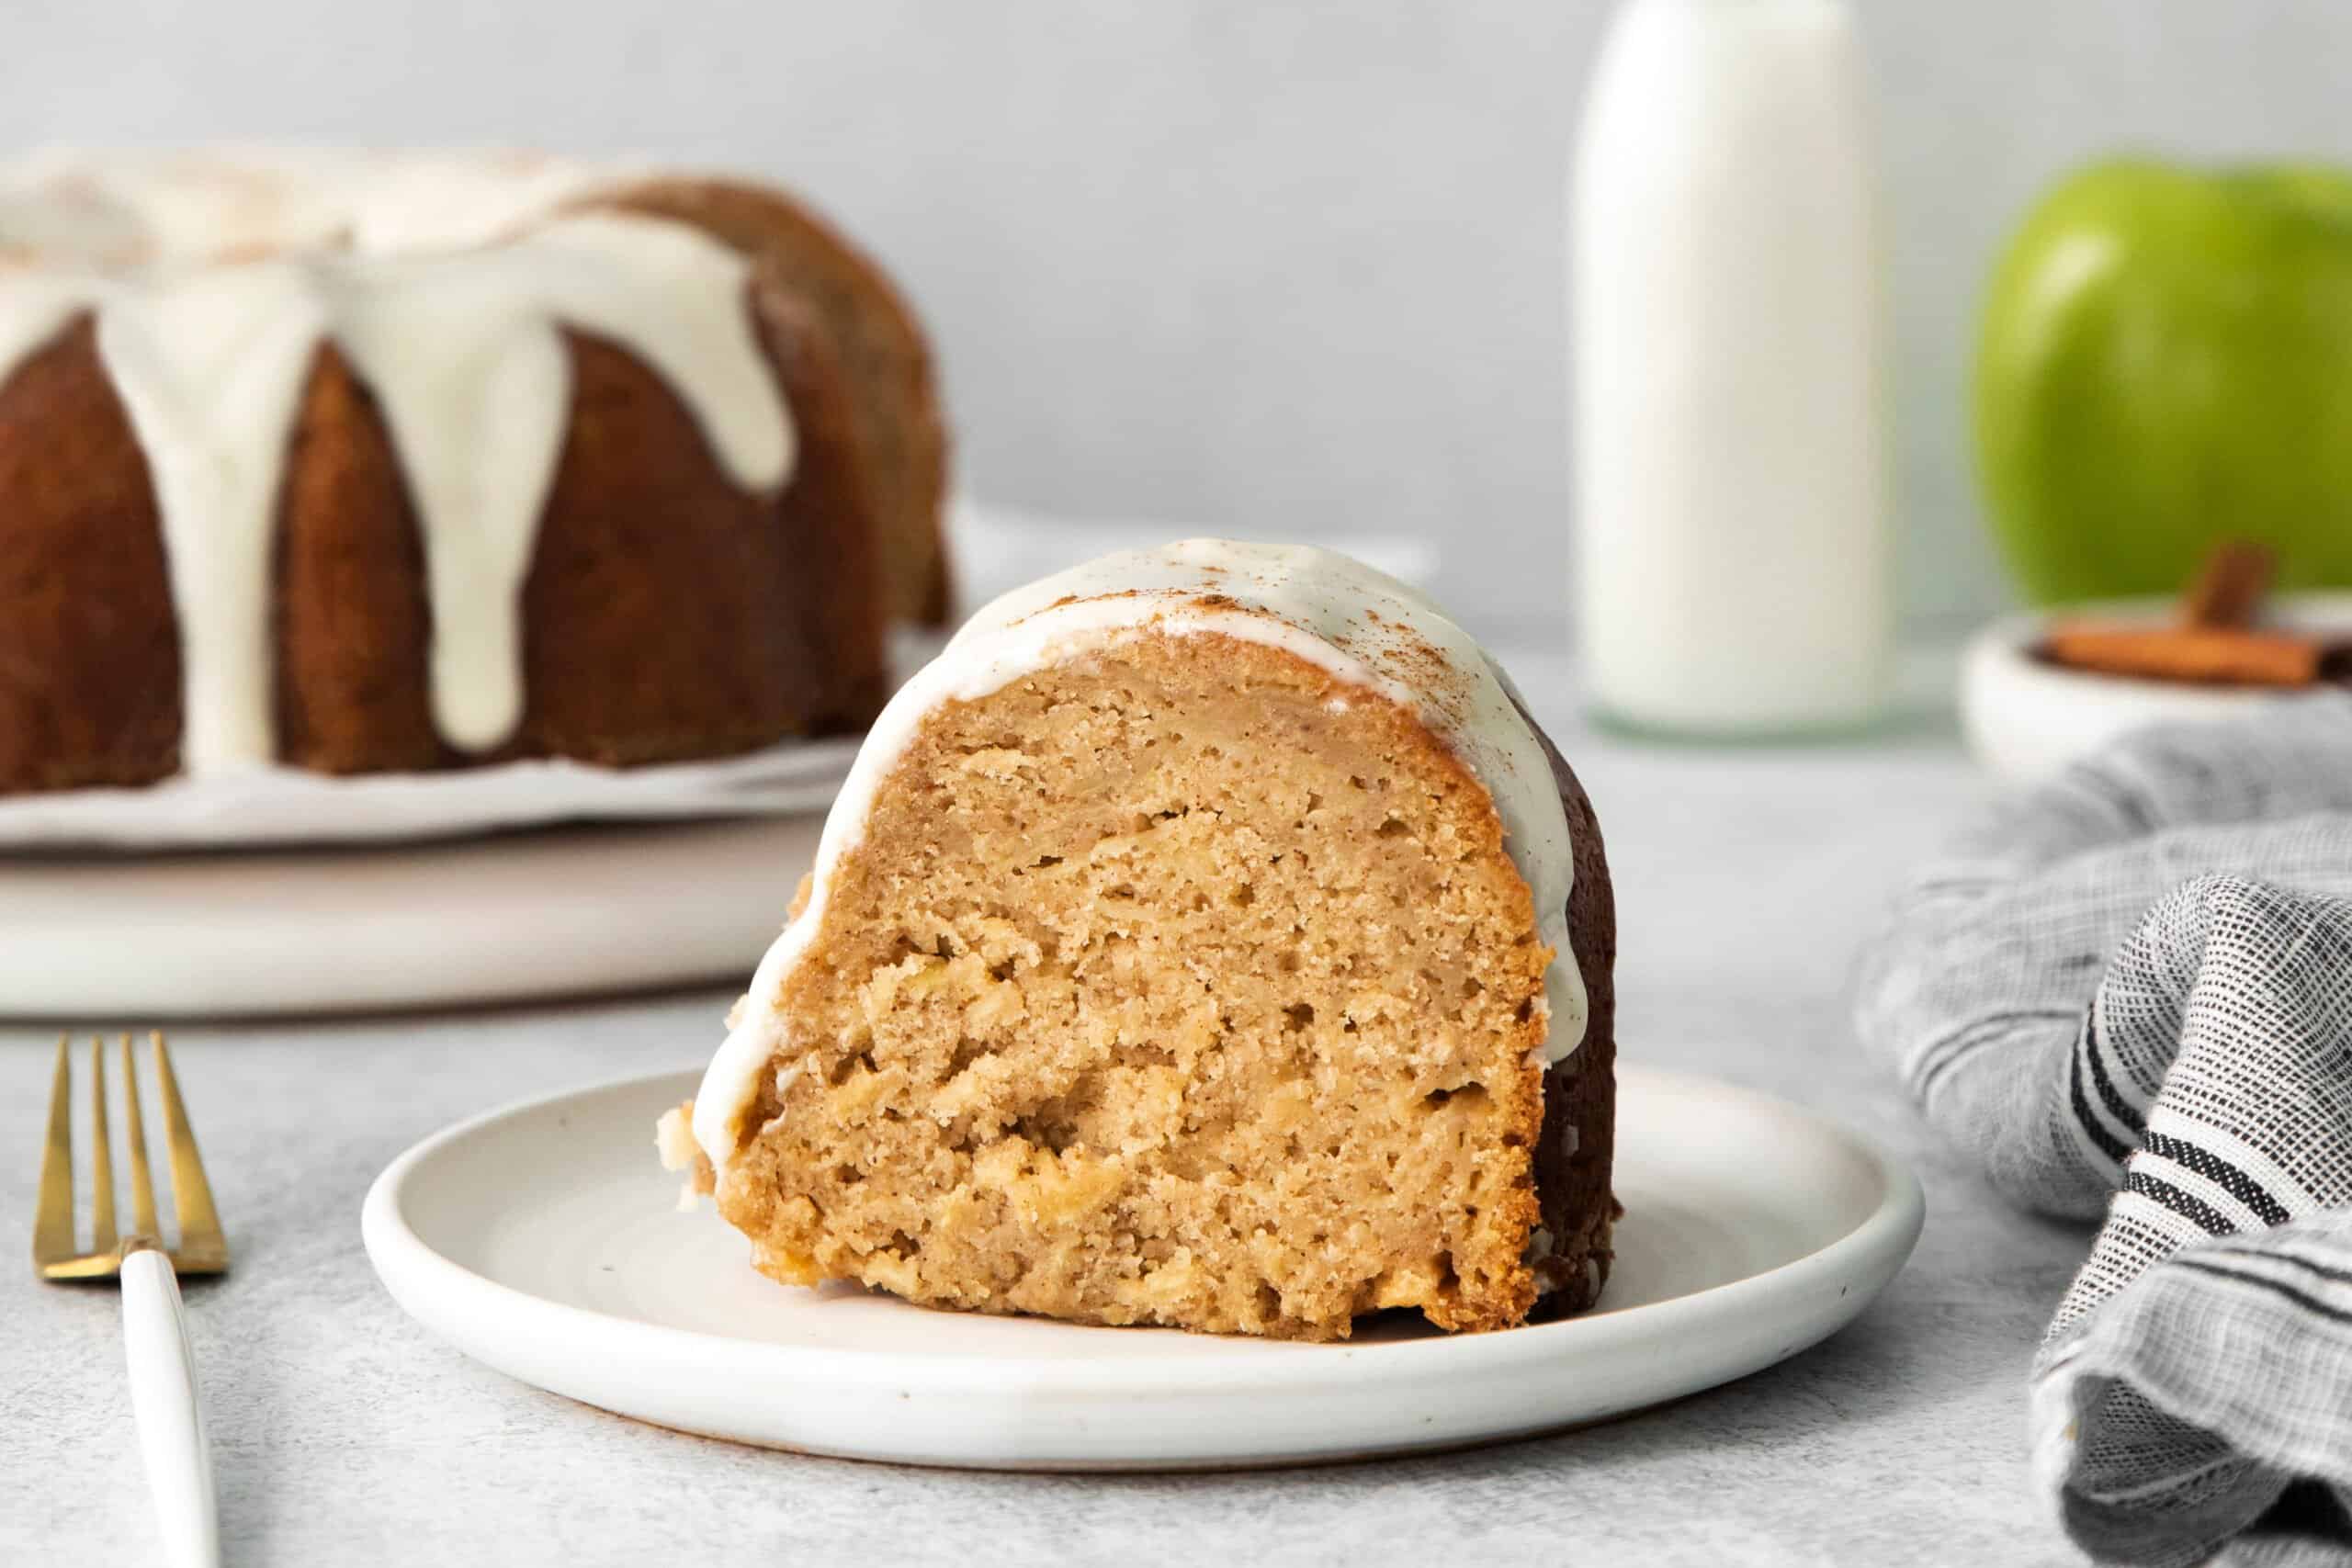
(546, 1241)
(2025, 720)
(342, 928)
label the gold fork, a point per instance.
(154, 1328)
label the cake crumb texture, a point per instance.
(1182, 982)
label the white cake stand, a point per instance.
(103, 938)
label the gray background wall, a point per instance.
(1287, 267)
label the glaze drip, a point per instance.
(209, 350)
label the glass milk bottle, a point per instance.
(1732, 560)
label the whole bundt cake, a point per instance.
(360, 463)
(1208, 938)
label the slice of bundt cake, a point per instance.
(1208, 938)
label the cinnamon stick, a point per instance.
(2231, 585)
(2215, 642)
(2201, 654)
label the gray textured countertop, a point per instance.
(344, 1434)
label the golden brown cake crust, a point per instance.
(89, 646)
(667, 615)
(881, 346)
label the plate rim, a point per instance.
(405, 1263)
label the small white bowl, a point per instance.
(2025, 719)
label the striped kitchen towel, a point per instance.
(2129, 992)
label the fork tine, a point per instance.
(53, 1216)
(142, 1185)
(203, 1247)
(102, 1232)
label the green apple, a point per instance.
(2166, 362)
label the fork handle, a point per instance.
(171, 1418)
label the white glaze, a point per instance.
(210, 373)
(462, 349)
(120, 209)
(1364, 627)
(461, 344)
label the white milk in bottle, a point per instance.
(1732, 560)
